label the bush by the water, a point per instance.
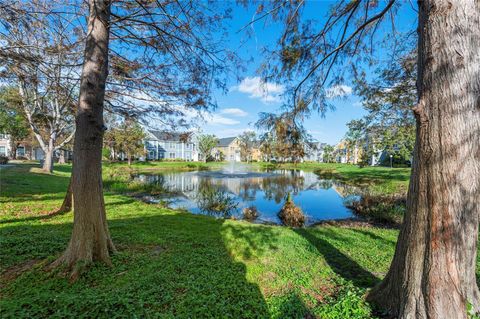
(383, 209)
(250, 213)
(290, 214)
(214, 200)
(3, 160)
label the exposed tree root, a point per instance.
(74, 263)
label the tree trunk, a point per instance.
(433, 271)
(48, 160)
(67, 204)
(13, 149)
(129, 159)
(90, 239)
(61, 159)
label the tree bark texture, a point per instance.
(67, 204)
(13, 152)
(90, 239)
(48, 160)
(61, 158)
(433, 271)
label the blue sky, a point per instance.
(238, 109)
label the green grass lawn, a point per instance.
(172, 264)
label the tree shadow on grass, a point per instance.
(33, 218)
(35, 198)
(340, 263)
(18, 184)
(250, 241)
(64, 168)
(293, 307)
(167, 265)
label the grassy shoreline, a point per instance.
(177, 265)
(163, 166)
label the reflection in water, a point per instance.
(213, 199)
(224, 194)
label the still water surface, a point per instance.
(226, 193)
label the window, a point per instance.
(151, 154)
(3, 151)
(21, 151)
(172, 155)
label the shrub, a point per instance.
(250, 213)
(349, 302)
(214, 200)
(291, 215)
(383, 209)
(3, 160)
(325, 172)
(172, 160)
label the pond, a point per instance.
(226, 193)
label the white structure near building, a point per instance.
(4, 145)
(314, 152)
(161, 145)
(26, 150)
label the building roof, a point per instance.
(170, 136)
(224, 142)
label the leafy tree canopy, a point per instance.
(206, 144)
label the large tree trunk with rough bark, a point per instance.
(433, 271)
(90, 239)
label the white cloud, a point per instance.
(200, 118)
(337, 91)
(256, 88)
(231, 132)
(216, 119)
(234, 112)
(358, 104)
